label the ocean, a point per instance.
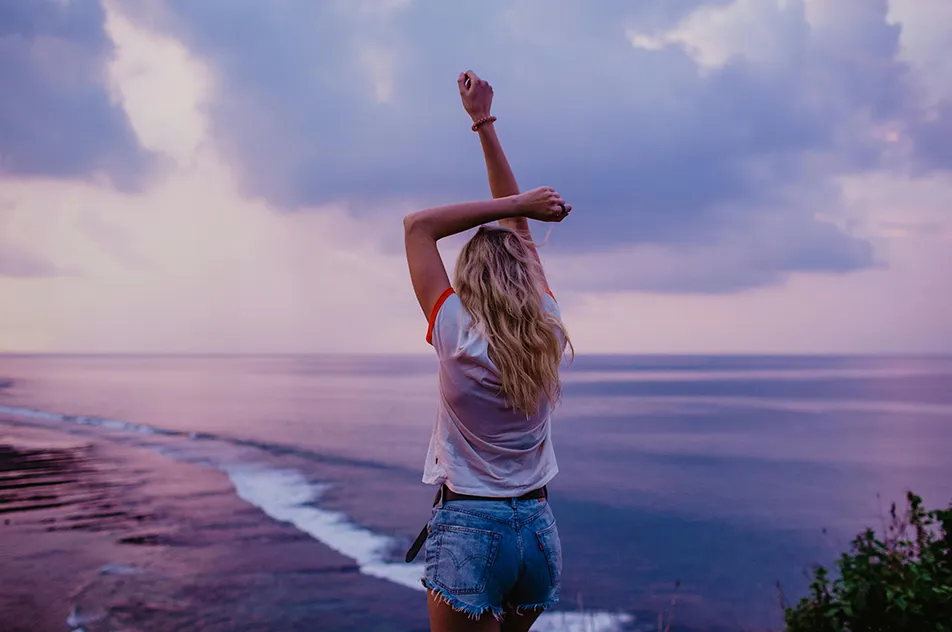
(699, 487)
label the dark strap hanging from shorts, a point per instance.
(446, 494)
(420, 539)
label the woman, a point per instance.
(493, 557)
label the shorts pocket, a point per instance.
(464, 558)
(552, 547)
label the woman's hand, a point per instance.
(477, 95)
(543, 204)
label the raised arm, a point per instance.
(424, 228)
(477, 97)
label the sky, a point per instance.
(747, 176)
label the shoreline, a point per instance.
(98, 536)
(124, 537)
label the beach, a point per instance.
(103, 537)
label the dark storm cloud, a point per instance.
(298, 110)
(56, 117)
(649, 147)
(933, 140)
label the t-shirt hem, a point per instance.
(502, 493)
(434, 479)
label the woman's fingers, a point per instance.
(469, 80)
(553, 207)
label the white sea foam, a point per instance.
(119, 569)
(111, 424)
(78, 619)
(30, 413)
(557, 621)
(286, 495)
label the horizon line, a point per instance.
(247, 354)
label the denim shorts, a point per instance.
(484, 555)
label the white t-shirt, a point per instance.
(480, 445)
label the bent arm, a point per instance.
(502, 183)
(424, 228)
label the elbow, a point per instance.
(409, 222)
(412, 223)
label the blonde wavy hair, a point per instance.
(500, 283)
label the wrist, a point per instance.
(483, 121)
(514, 206)
(486, 128)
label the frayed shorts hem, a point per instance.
(472, 611)
(475, 612)
(545, 605)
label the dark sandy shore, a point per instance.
(101, 536)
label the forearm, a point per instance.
(502, 181)
(443, 221)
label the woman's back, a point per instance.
(480, 444)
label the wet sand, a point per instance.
(105, 536)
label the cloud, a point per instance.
(199, 259)
(18, 262)
(57, 117)
(924, 43)
(765, 254)
(933, 139)
(902, 229)
(187, 264)
(633, 134)
(743, 110)
(672, 126)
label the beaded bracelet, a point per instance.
(483, 121)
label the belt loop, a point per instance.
(512, 501)
(440, 495)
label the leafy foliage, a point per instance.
(900, 583)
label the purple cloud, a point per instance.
(56, 117)
(17, 262)
(933, 140)
(650, 149)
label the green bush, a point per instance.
(900, 583)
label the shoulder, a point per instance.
(550, 305)
(447, 302)
(449, 321)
